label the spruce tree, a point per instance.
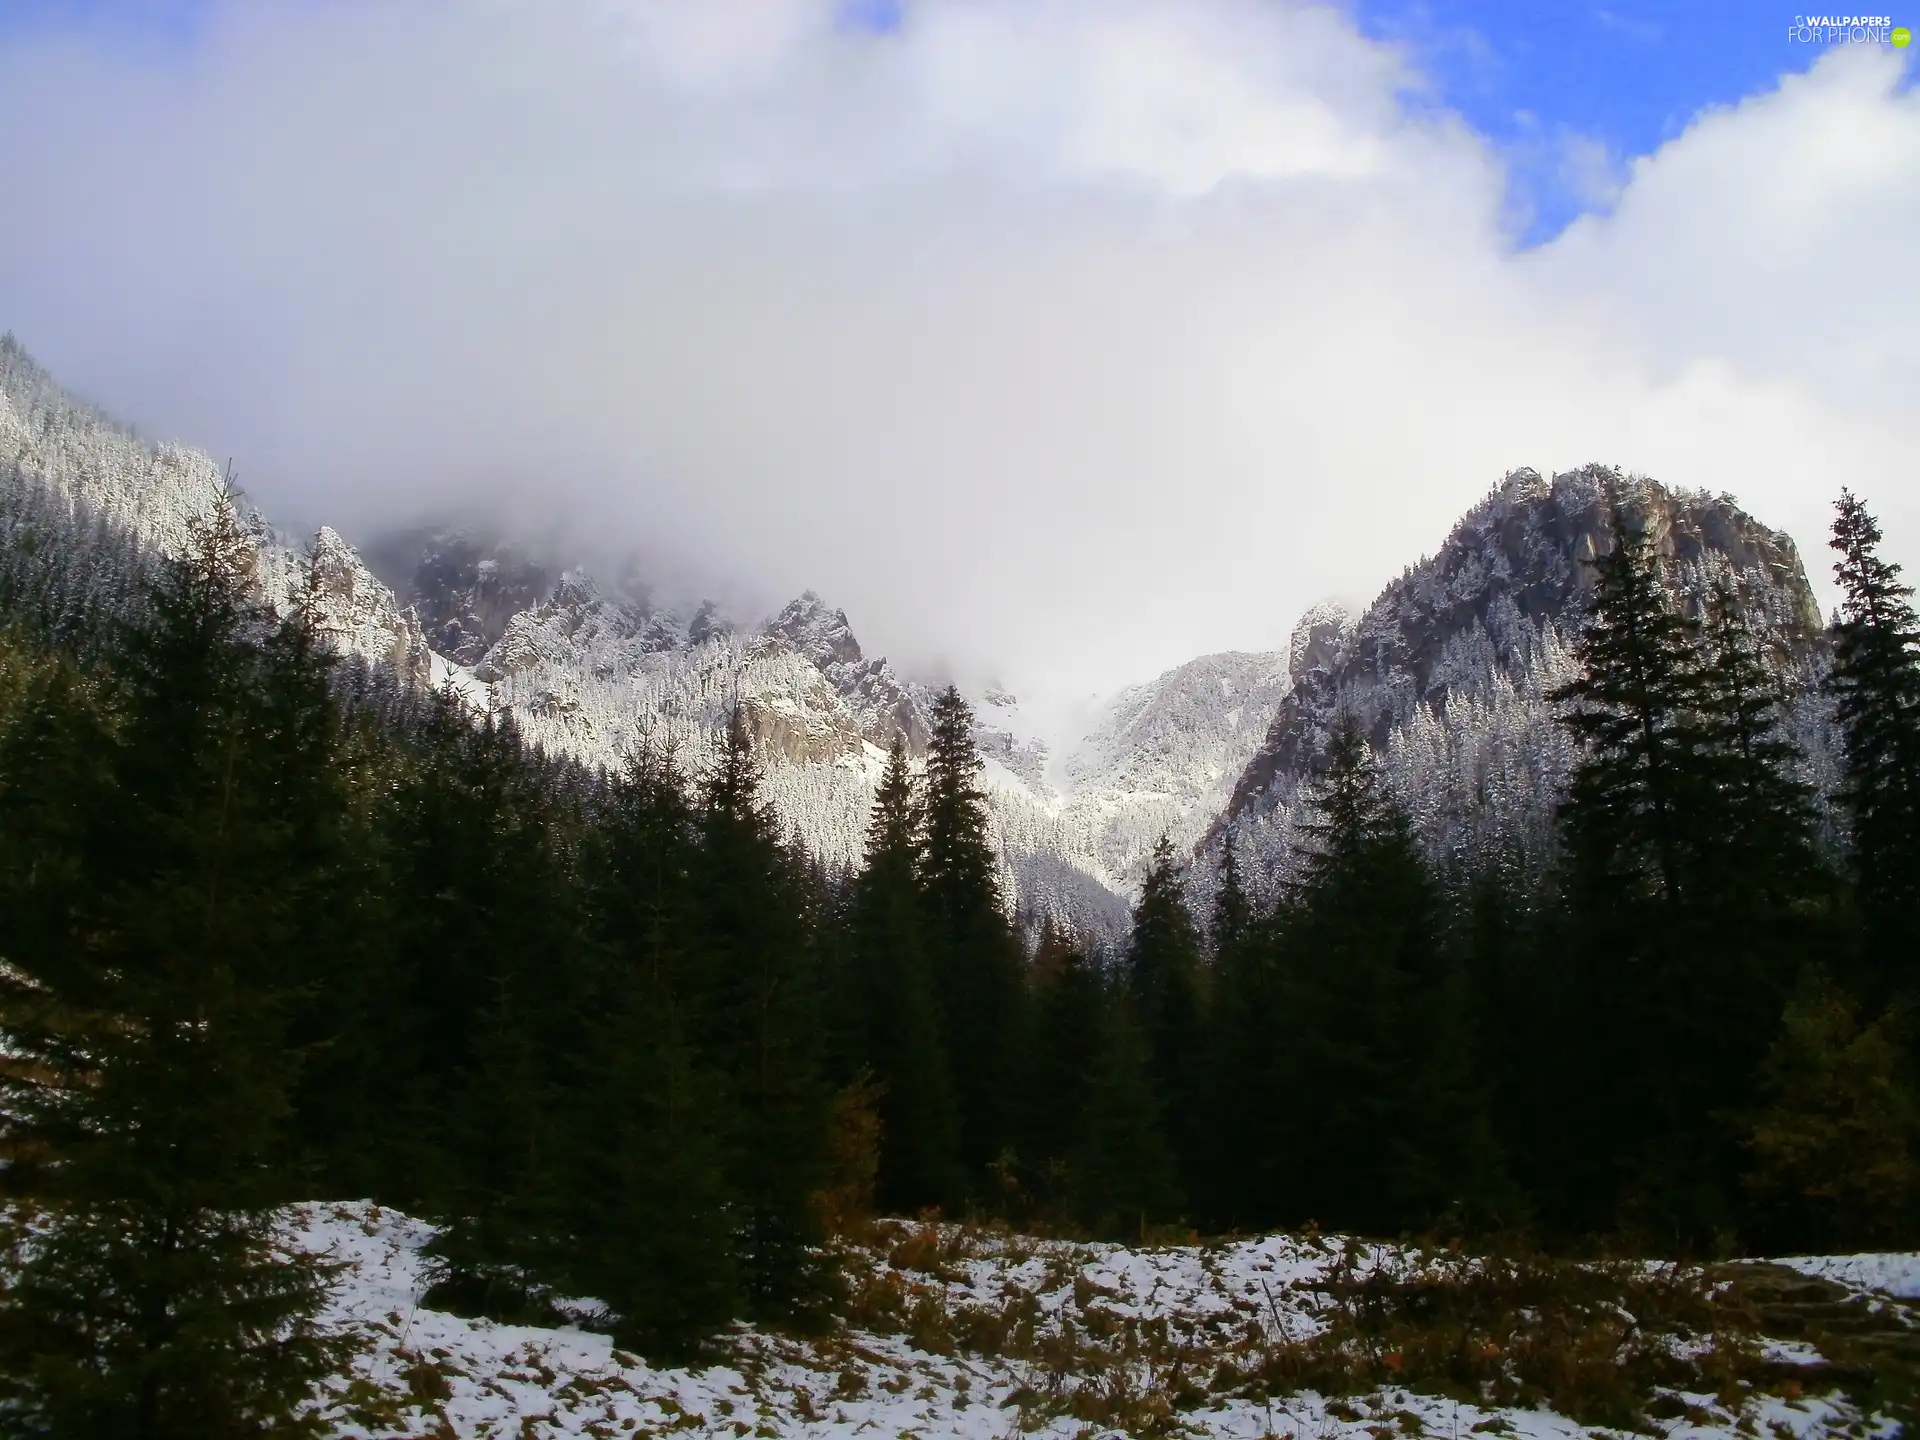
(1122, 1175)
(889, 1004)
(649, 1195)
(488, 935)
(1068, 1034)
(1163, 988)
(1683, 826)
(1232, 920)
(1875, 683)
(1630, 817)
(760, 1024)
(1383, 1134)
(156, 891)
(975, 957)
(1765, 857)
(1251, 1107)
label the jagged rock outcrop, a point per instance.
(884, 704)
(353, 612)
(465, 589)
(1449, 670)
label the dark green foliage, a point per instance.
(1630, 817)
(886, 1003)
(1383, 1128)
(162, 842)
(758, 1019)
(1836, 1151)
(1252, 1108)
(1121, 1173)
(1683, 832)
(1069, 1007)
(977, 966)
(1875, 683)
(648, 1177)
(1163, 991)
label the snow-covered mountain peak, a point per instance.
(818, 631)
(1318, 636)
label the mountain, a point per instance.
(71, 474)
(1449, 670)
(594, 673)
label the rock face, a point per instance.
(1449, 669)
(355, 613)
(465, 590)
(884, 704)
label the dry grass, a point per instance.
(1620, 1344)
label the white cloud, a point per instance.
(1055, 338)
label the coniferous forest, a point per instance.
(275, 928)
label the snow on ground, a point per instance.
(1897, 1275)
(422, 1372)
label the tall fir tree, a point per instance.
(1875, 682)
(1250, 1108)
(156, 890)
(1766, 856)
(1383, 1134)
(888, 1002)
(1163, 983)
(1681, 820)
(1631, 814)
(489, 945)
(1067, 1035)
(1122, 1176)
(759, 1014)
(649, 1195)
(976, 959)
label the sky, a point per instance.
(1059, 341)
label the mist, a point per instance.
(1057, 342)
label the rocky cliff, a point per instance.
(1449, 670)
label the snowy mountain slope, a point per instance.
(1449, 669)
(963, 1334)
(79, 460)
(587, 673)
(598, 676)
(1166, 754)
(58, 444)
